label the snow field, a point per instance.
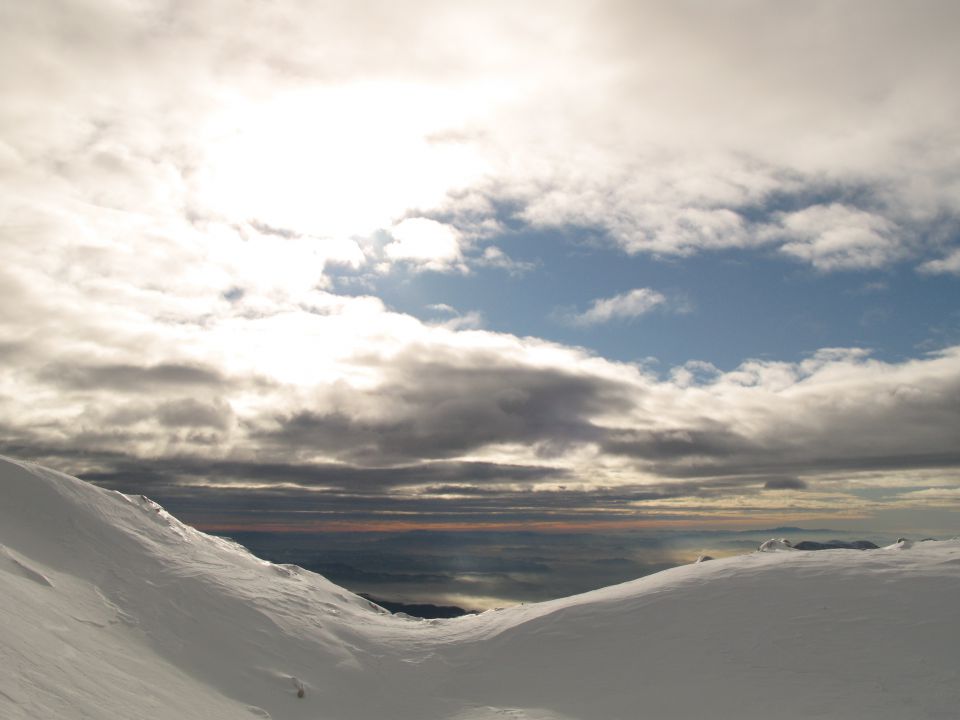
(111, 608)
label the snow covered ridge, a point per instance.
(111, 608)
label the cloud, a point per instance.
(748, 111)
(286, 124)
(631, 304)
(693, 372)
(947, 265)
(472, 320)
(426, 244)
(169, 227)
(494, 257)
(838, 237)
(443, 404)
(938, 497)
(443, 308)
(368, 412)
(672, 444)
(188, 412)
(130, 378)
(785, 483)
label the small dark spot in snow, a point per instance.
(233, 294)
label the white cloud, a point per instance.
(693, 372)
(471, 320)
(630, 304)
(838, 237)
(947, 265)
(496, 258)
(657, 210)
(443, 308)
(668, 137)
(426, 244)
(745, 107)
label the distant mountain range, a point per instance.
(421, 610)
(835, 545)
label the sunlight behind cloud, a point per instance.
(340, 161)
(426, 243)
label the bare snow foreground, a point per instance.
(110, 608)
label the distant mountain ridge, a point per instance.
(787, 529)
(836, 545)
(427, 611)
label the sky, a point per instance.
(565, 267)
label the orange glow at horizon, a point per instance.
(545, 526)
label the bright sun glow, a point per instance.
(341, 161)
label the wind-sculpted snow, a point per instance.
(111, 608)
(776, 545)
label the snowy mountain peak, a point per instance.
(112, 608)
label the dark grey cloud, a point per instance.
(127, 472)
(785, 483)
(180, 413)
(453, 492)
(770, 464)
(403, 461)
(131, 378)
(364, 495)
(11, 351)
(388, 470)
(452, 408)
(712, 440)
(188, 412)
(265, 229)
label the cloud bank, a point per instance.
(171, 228)
(340, 408)
(826, 131)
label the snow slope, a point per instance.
(111, 608)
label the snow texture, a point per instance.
(776, 545)
(111, 608)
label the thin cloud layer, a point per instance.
(948, 265)
(630, 304)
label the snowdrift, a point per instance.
(111, 608)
